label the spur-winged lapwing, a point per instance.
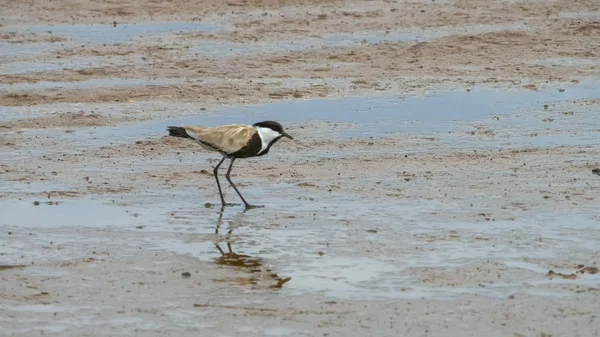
(233, 141)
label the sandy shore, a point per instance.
(444, 162)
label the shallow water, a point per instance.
(436, 113)
(354, 248)
(25, 49)
(83, 212)
(581, 15)
(75, 63)
(567, 61)
(32, 187)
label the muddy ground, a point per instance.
(443, 180)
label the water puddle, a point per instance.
(388, 276)
(227, 49)
(92, 33)
(75, 63)
(84, 212)
(580, 15)
(353, 248)
(298, 83)
(547, 140)
(375, 116)
(466, 67)
(143, 109)
(342, 277)
(29, 187)
(92, 83)
(436, 112)
(433, 112)
(567, 61)
(110, 33)
(21, 49)
(415, 35)
(281, 331)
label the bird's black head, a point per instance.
(273, 126)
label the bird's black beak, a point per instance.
(286, 135)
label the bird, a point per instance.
(233, 141)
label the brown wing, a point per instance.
(226, 138)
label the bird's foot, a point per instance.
(248, 206)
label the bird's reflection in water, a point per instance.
(257, 273)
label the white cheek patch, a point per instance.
(267, 135)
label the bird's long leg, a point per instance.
(216, 172)
(228, 177)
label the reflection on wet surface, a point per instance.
(318, 246)
(230, 258)
(250, 264)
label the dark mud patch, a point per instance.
(11, 266)
(580, 271)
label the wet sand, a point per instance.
(441, 180)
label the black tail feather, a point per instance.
(177, 131)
